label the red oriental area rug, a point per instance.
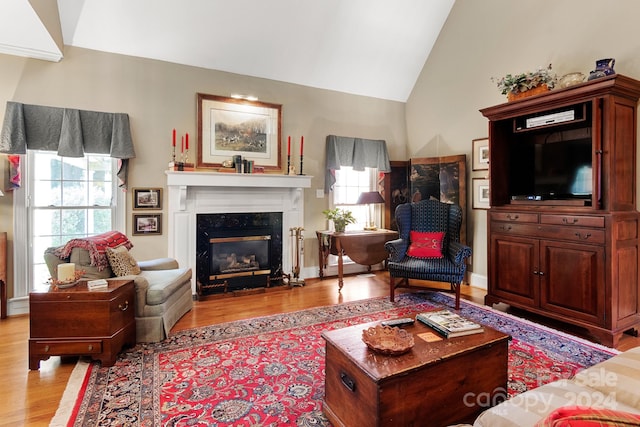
(269, 371)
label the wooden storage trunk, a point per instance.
(436, 383)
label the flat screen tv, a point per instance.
(543, 170)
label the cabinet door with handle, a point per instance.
(514, 269)
(573, 280)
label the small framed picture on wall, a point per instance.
(480, 193)
(480, 154)
(147, 224)
(147, 198)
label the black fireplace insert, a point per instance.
(238, 251)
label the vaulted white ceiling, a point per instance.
(366, 47)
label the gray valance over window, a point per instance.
(356, 152)
(69, 132)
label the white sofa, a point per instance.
(612, 384)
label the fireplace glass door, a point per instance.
(237, 256)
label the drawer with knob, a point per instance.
(63, 347)
(573, 220)
(572, 234)
(515, 217)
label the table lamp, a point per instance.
(369, 198)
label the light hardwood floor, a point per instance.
(32, 397)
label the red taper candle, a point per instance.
(186, 143)
(289, 146)
(182, 145)
(174, 137)
(301, 144)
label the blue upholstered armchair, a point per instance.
(421, 217)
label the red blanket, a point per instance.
(96, 245)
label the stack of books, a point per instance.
(94, 285)
(449, 324)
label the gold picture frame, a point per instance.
(229, 127)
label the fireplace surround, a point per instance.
(193, 193)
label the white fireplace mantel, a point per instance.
(228, 179)
(195, 192)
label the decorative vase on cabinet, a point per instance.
(604, 67)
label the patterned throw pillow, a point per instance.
(582, 416)
(426, 244)
(121, 261)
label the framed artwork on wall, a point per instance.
(441, 178)
(147, 198)
(480, 154)
(480, 193)
(147, 224)
(229, 127)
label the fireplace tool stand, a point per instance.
(297, 242)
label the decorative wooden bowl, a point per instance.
(388, 340)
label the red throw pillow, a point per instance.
(426, 244)
(581, 416)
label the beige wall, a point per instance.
(160, 96)
(490, 38)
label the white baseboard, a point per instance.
(478, 281)
(332, 270)
(17, 306)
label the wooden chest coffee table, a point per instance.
(436, 383)
(77, 321)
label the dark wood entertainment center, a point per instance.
(563, 228)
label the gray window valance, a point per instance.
(358, 153)
(69, 132)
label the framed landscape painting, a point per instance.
(147, 198)
(229, 127)
(147, 224)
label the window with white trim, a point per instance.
(346, 190)
(68, 198)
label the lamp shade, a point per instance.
(369, 197)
